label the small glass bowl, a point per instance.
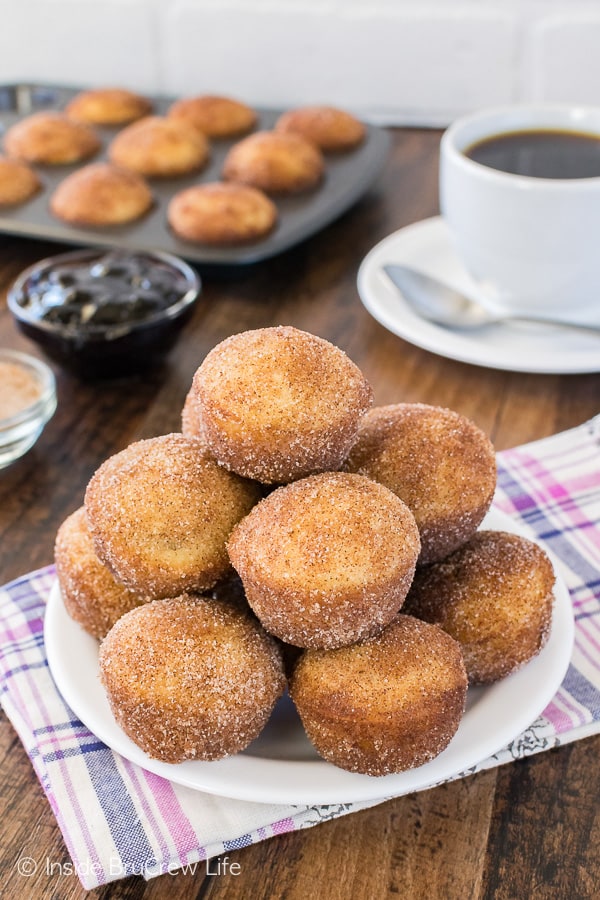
(19, 432)
(112, 349)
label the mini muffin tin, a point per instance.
(347, 177)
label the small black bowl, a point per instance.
(105, 313)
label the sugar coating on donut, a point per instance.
(90, 592)
(18, 182)
(386, 704)
(330, 128)
(217, 117)
(101, 194)
(160, 512)
(275, 162)
(494, 595)
(191, 421)
(278, 404)
(326, 560)
(158, 147)
(190, 677)
(221, 214)
(439, 462)
(50, 137)
(107, 106)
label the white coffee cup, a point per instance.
(533, 243)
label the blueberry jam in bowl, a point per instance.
(105, 313)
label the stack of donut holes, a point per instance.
(292, 534)
(240, 208)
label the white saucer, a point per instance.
(281, 766)
(515, 347)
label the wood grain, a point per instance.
(530, 829)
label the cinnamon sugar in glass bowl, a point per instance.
(27, 402)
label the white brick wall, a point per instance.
(564, 58)
(395, 61)
(80, 42)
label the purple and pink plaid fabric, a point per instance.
(117, 819)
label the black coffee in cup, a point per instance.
(532, 241)
(540, 153)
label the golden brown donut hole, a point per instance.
(494, 596)
(386, 704)
(326, 560)
(440, 463)
(18, 182)
(333, 130)
(101, 194)
(217, 117)
(90, 592)
(190, 677)
(275, 162)
(159, 148)
(160, 512)
(221, 214)
(50, 138)
(278, 403)
(107, 106)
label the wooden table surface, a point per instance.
(530, 829)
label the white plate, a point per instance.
(516, 347)
(281, 766)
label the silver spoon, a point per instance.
(438, 302)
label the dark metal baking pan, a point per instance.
(348, 176)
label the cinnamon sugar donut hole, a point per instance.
(386, 704)
(279, 404)
(214, 116)
(90, 592)
(221, 214)
(494, 596)
(439, 462)
(107, 106)
(333, 130)
(160, 512)
(327, 560)
(191, 422)
(190, 678)
(159, 148)
(18, 182)
(101, 194)
(51, 138)
(275, 163)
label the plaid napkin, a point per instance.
(117, 819)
